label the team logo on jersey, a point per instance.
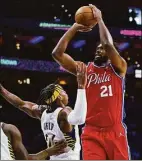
(98, 78)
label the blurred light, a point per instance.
(62, 6)
(79, 43)
(62, 82)
(130, 19)
(130, 10)
(131, 32)
(55, 17)
(28, 80)
(69, 15)
(123, 46)
(136, 62)
(128, 58)
(66, 10)
(57, 20)
(51, 25)
(138, 65)
(36, 39)
(138, 73)
(18, 46)
(19, 81)
(135, 15)
(8, 62)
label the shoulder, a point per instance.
(10, 129)
(64, 112)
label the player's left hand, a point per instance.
(97, 13)
(82, 28)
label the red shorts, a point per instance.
(105, 143)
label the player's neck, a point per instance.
(100, 63)
(60, 103)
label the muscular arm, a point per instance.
(25, 106)
(16, 140)
(20, 150)
(69, 117)
(59, 51)
(39, 156)
(106, 39)
(65, 126)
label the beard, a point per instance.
(100, 60)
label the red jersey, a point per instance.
(104, 90)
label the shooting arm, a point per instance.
(106, 39)
(59, 51)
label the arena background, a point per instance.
(29, 30)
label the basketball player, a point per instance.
(12, 147)
(104, 135)
(56, 117)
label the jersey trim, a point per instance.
(98, 66)
(125, 127)
(116, 73)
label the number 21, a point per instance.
(106, 91)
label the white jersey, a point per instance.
(52, 134)
(6, 148)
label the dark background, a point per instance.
(16, 27)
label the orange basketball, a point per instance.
(84, 15)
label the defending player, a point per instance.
(56, 117)
(12, 147)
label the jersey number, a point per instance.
(106, 91)
(49, 139)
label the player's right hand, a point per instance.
(81, 71)
(96, 12)
(82, 28)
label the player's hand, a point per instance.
(97, 13)
(58, 148)
(81, 71)
(82, 28)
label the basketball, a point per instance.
(84, 15)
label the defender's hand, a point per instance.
(81, 70)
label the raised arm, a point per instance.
(106, 39)
(77, 116)
(59, 51)
(28, 107)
